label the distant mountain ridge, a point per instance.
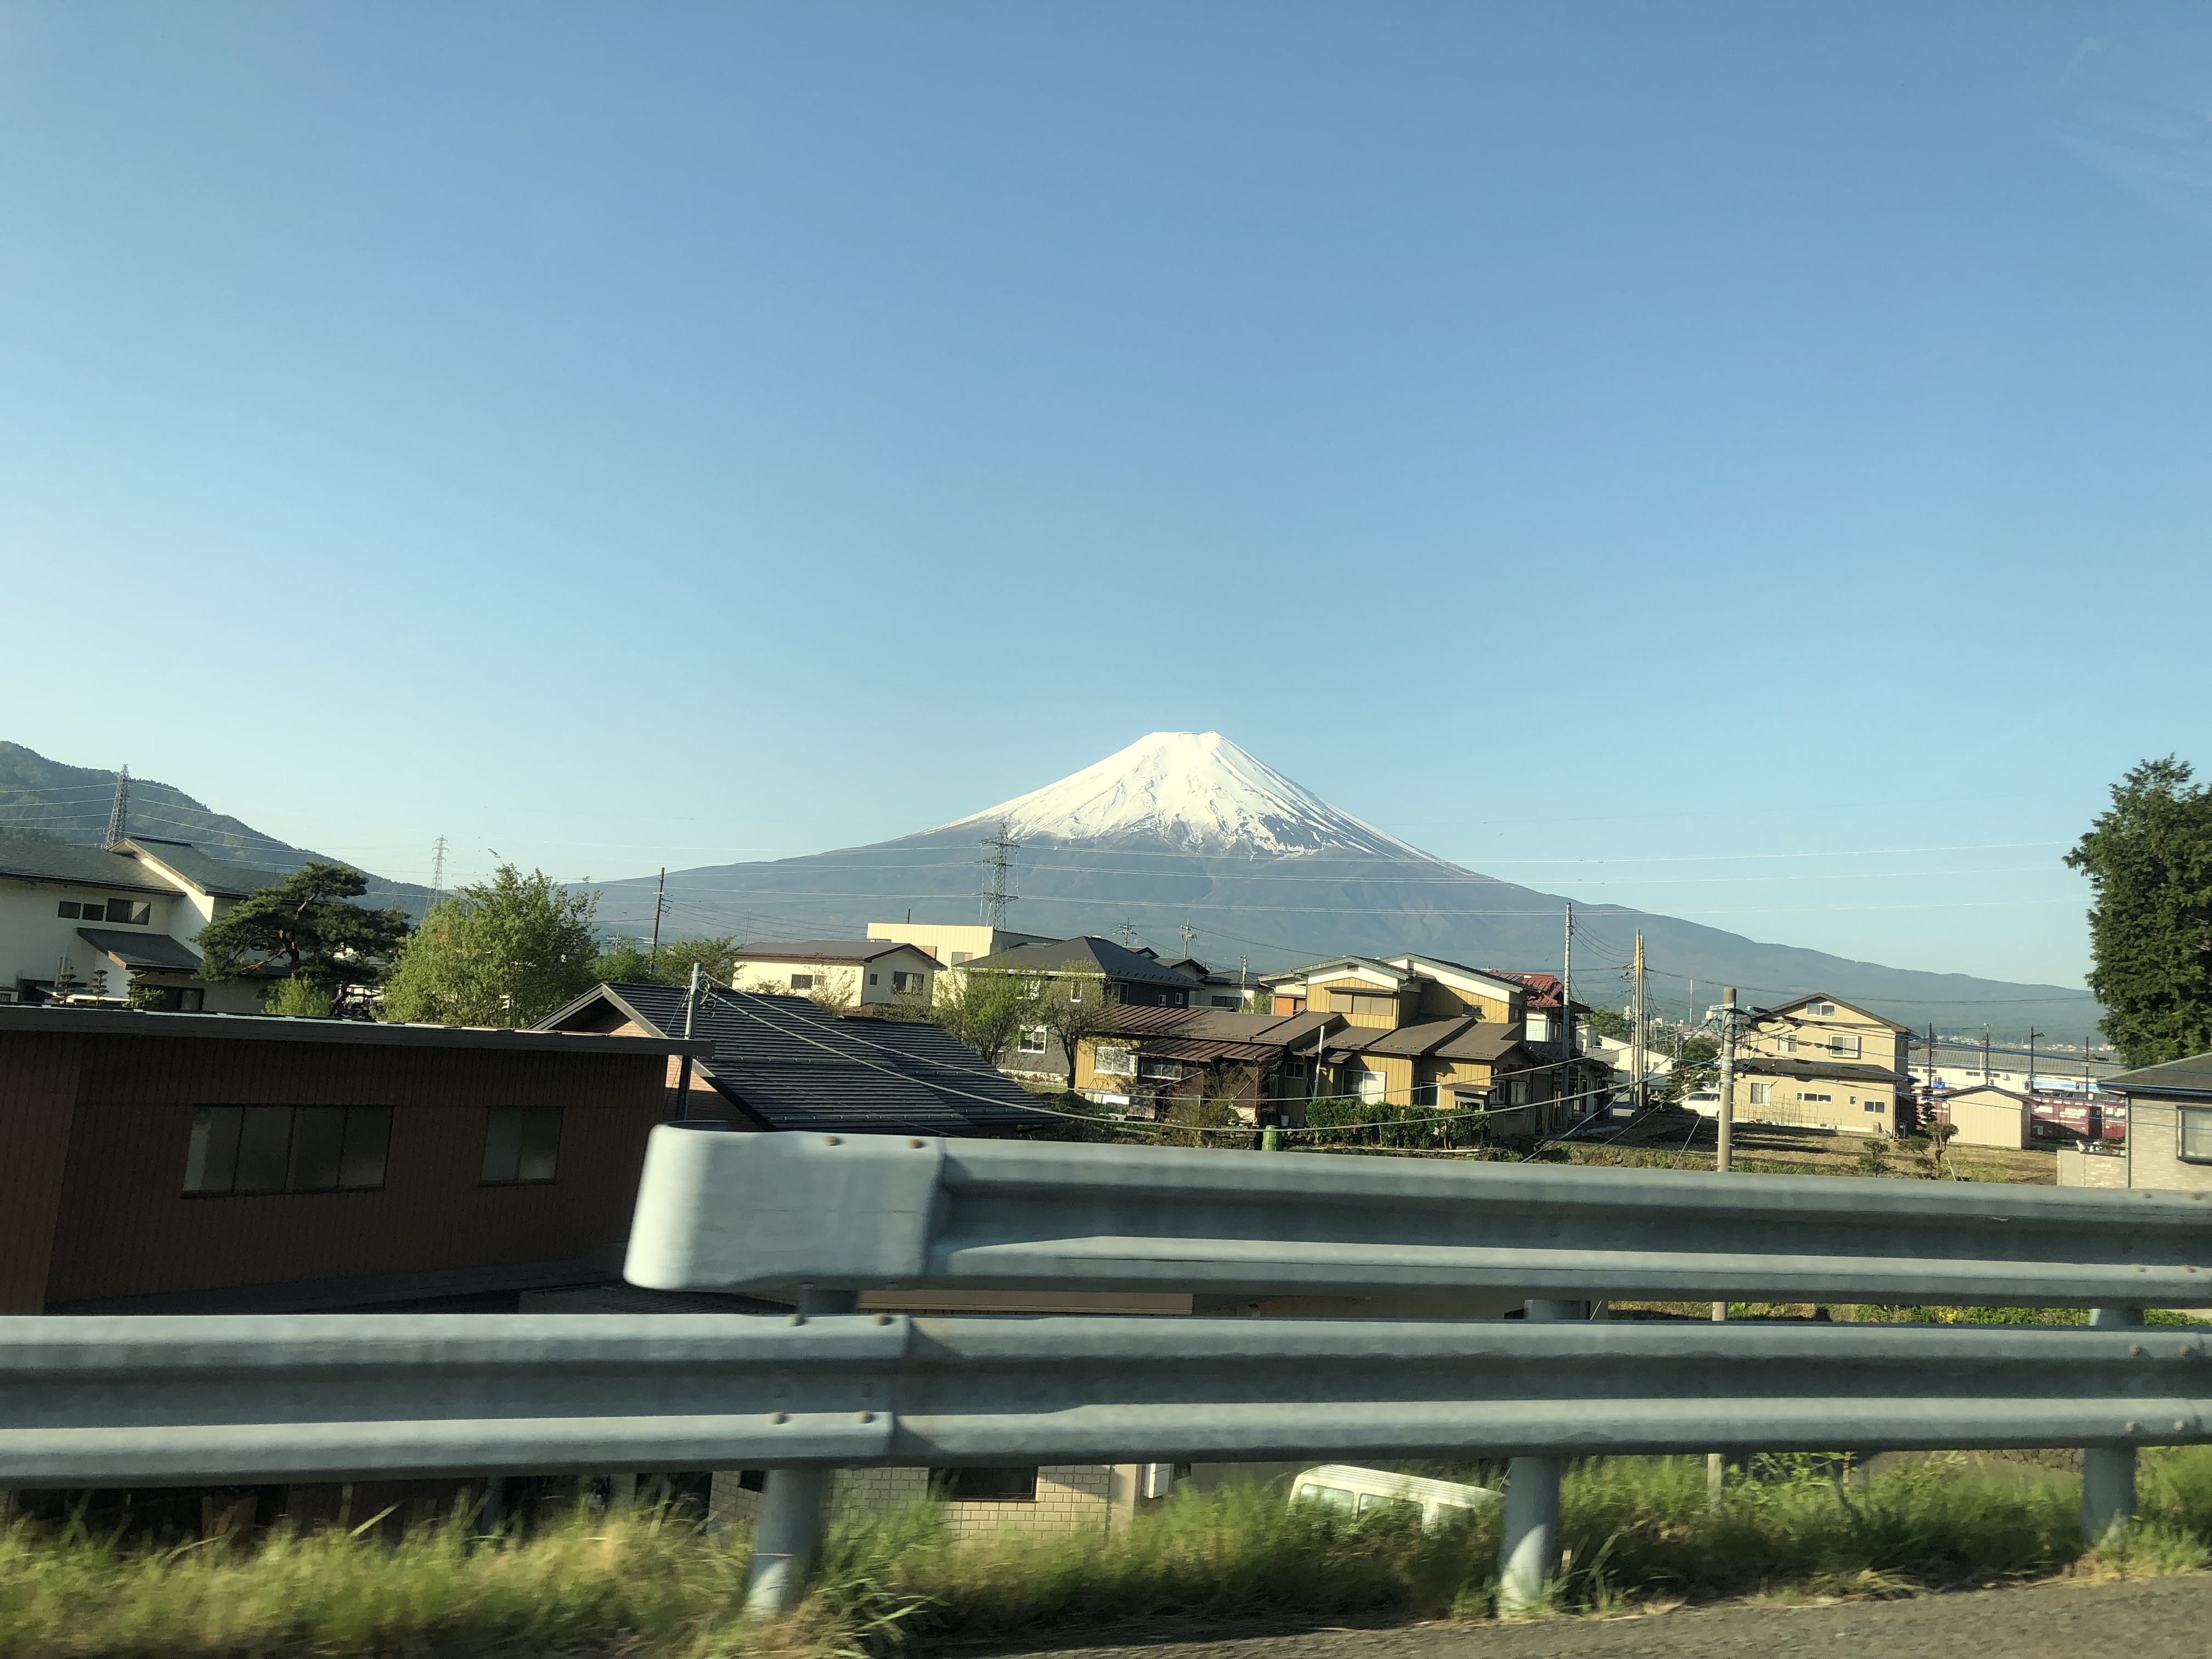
(42, 797)
(1188, 829)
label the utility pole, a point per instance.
(1636, 1031)
(1129, 932)
(118, 815)
(1564, 1079)
(1985, 1054)
(996, 863)
(1715, 1465)
(683, 1074)
(1724, 1160)
(1189, 933)
(660, 901)
(2032, 1035)
(437, 870)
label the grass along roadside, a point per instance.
(1637, 1533)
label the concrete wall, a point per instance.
(1071, 1497)
(2155, 1149)
(2089, 1170)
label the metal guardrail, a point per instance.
(181, 1401)
(729, 1211)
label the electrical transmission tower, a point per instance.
(438, 870)
(997, 862)
(119, 816)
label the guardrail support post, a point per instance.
(1529, 1559)
(2108, 1473)
(793, 1501)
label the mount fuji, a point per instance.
(1187, 830)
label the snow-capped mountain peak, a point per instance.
(1195, 790)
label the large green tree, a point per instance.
(2149, 858)
(985, 1007)
(507, 952)
(1076, 1008)
(669, 964)
(305, 927)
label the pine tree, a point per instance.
(2148, 859)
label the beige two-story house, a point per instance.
(1820, 1063)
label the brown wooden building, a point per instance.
(200, 1162)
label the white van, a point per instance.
(1705, 1102)
(1362, 1492)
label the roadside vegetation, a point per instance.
(1639, 1535)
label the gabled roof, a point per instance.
(87, 866)
(1406, 1040)
(2192, 1076)
(1983, 1089)
(827, 951)
(1215, 1024)
(1445, 972)
(217, 877)
(1364, 967)
(1088, 954)
(785, 1064)
(1826, 996)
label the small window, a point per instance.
(959, 956)
(68, 910)
(1367, 1085)
(128, 911)
(2196, 1134)
(1033, 1040)
(1113, 1062)
(286, 1149)
(1471, 1100)
(1816, 1099)
(1761, 1093)
(1843, 1045)
(1874, 1105)
(906, 981)
(1786, 1043)
(1160, 1071)
(984, 1486)
(1329, 1498)
(874, 979)
(1822, 1008)
(802, 982)
(1223, 1002)
(522, 1145)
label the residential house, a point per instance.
(169, 1162)
(953, 945)
(1151, 1058)
(1139, 979)
(784, 1062)
(1424, 1031)
(1820, 1063)
(845, 973)
(1217, 988)
(103, 922)
(2169, 1134)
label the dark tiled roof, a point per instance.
(1406, 1040)
(790, 1064)
(92, 866)
(1491, 1041)
(138, 950)
(1086, 955)
(218, 877)
(2192, 1076)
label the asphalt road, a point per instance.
(2160, 1619)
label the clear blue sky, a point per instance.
(1680, 436)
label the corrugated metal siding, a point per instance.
(38, 1092)
(125, 1228)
